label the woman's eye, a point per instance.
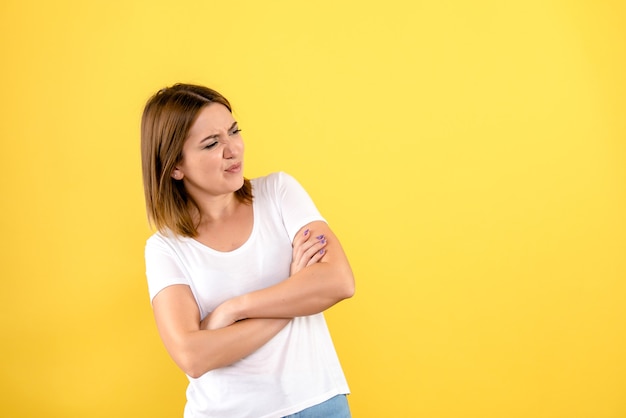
(235, 132)
(211, 145)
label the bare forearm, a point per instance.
(311, 288)
(200, 351)
(311, 291)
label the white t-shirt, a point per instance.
(296, 369)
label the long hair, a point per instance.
(165, 124)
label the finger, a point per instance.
(301, 237)
(306, 245)
(300, 240)
(316, 257)
(307, 248)
(314, 250)
(298, 262)
(305, 260)
(303, 246)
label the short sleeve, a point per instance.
(296, 206)
(162, 268)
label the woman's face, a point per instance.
(212, 163)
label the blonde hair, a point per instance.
(165, 124)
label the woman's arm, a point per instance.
(198, 347)
(241, 325)
(309, 291)
(197, 351)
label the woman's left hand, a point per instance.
(307, 250)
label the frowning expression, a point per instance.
(212, 163)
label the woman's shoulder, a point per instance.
(164, 238)
(272, 181)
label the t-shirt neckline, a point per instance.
(243, 246)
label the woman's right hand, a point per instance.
(307, 250)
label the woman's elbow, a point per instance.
(348, 286)
(194, 373)
(192, 364)
(195, 369)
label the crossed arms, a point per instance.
(320, 276)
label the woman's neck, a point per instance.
(217, 208)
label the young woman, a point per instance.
(240, 270)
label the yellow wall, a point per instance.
(470, 154)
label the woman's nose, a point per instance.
(230, 150)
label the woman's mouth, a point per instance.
(235, 168)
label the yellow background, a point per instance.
(471, 155)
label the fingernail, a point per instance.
(320, 237)
(306, 232)
(322, 251)
(323, 241)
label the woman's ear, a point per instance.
(177, 174)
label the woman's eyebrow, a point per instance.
(217, 135)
